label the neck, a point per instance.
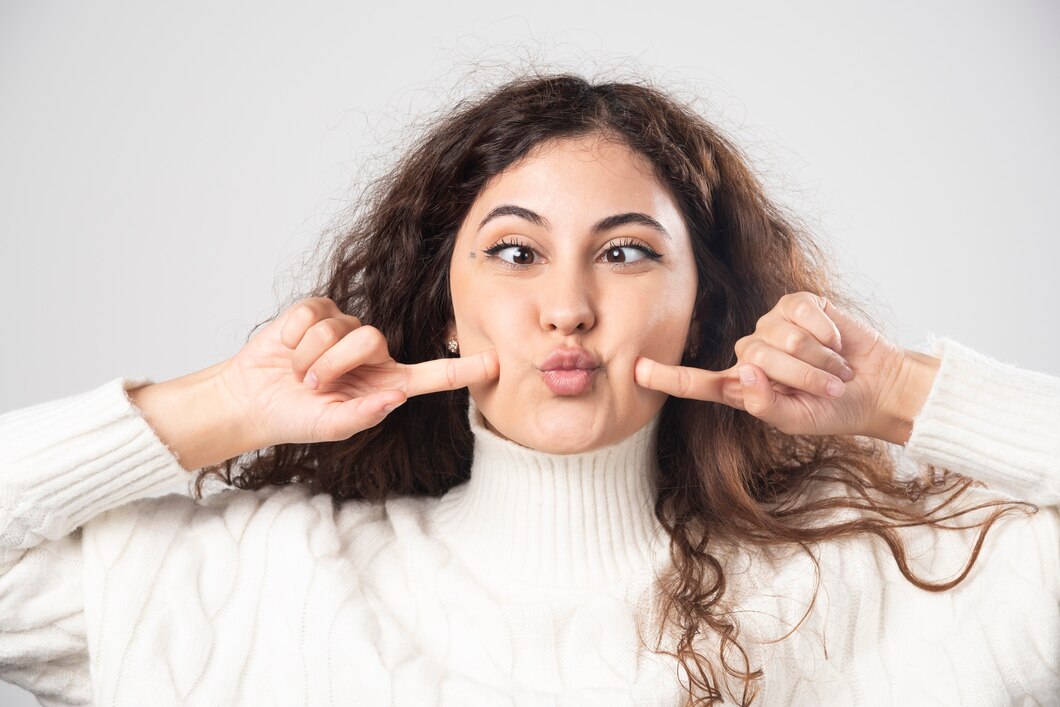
(557, 520)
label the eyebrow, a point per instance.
(605, 224)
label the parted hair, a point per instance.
(725, 477)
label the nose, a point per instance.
(567, 297)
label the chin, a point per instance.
(557, 438)
(553, 445)
(551, 428)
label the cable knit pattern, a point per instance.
(523, 586)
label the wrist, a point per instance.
(900, 407)
(194, 418)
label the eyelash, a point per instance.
(491, 252)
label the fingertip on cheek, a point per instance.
(641, 369)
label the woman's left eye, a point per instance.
(619, 251)
(617, 254)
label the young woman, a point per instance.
(575, 416)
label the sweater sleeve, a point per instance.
(991, 421)
(63, 462)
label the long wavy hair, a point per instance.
(726, 476)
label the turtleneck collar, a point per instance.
(555, 520)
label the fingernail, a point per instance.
(834, 388)
(747, 375)
(846, 374)
(311, 380)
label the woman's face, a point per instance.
(559, 276)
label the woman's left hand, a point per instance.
(797, 348)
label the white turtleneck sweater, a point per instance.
(518, 587)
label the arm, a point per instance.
(989, 420)
(67, 460)
(62, 463)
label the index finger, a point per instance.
(451, 373)
(680, 381)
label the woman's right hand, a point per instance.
(357, 378)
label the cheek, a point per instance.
(667, 346)
(495, 318)
(491, 317)
(655, 327)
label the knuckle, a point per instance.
(804, 310)
(795, 341)
(755, 407)
(372, 335)
(756, 354)
(305, 311)
(320, 301)
(313, 308)
(684, 382)
(327, 331)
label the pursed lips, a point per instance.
(569, 371)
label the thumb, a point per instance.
(759, 397)
(340, 421)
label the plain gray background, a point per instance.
(166, 170)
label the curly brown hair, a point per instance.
(726, 476)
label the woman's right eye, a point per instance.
(521, 255)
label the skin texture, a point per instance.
(572, 289)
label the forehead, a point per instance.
(578, 180)
(601, 158)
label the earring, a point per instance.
(452, 345)
(693, 348)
